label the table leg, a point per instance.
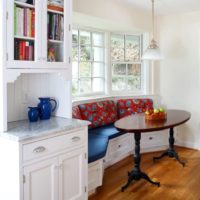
(136, 174)
(170, 151)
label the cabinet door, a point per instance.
(41, 180)
(73, 175)
(23, 34)
(56, 33)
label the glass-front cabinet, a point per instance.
(38, 34)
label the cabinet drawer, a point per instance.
(44, 147)
(120, 145)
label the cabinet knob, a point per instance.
(39, 149)
(75, 139)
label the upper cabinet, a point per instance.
(38, 34)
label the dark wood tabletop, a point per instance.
(137, 122)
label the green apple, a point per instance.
(156, 110)
(161, 109)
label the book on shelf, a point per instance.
(55, 26)
(24, 50)
(24, 21)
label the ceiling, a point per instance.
(164, 7)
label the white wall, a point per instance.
(179, 73)
(113, 14)
(24, 92)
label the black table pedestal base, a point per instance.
(172, 154)
(171, 151)
(137, 175)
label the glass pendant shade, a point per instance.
(153, 52)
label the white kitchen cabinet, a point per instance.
(41, 180)
(95, 175)
(50, 164)
(36, 33)
(62, 177)
(73, 176)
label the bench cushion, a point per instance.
(99, 113)
(97, 147)
(127, 107)
(108, 130)
(76, 112)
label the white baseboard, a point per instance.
(192, 145)
(154, 148)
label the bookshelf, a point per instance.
(24, 31)
(55, 26)
(39, 34)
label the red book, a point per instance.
(27, 51)
(25, 21)
(23, 50)
(33, 23)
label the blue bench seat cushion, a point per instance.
(107, 130)
(97, 147)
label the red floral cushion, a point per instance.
(127, 107)
(99, 113)
(76, 112)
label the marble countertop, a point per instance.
(24, 130)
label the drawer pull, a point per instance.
(39, 149)
(75, 139)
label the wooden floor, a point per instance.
(177, 182)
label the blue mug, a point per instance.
(45, 107)
(33, 114)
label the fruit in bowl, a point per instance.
(156, 114)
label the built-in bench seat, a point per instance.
(107, 145)
(102, 116)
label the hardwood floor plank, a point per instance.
(177, 182)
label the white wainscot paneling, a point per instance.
(24, 92)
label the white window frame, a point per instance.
(92, 31)
(143, 72)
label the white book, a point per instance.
(21, 21)
(18, 24)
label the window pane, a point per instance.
(85, 69)
(85, 85)
(74, 86)
(134, 69)
(98, 54)
(85, 54)
(132, 55)
(75, 53)
(132, 42)
(98, 85)
(132, 48)
(134, 83)
(85, 38)
(75, 70)
(75, 36)
(98, 70)
(117, 54)
(119, 69)
(98, 39)
(117, 41)
(118, 83)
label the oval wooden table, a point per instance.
(137, 124)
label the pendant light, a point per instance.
(153, 51)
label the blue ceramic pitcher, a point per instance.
(45, 107)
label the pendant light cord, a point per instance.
(153, 18)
